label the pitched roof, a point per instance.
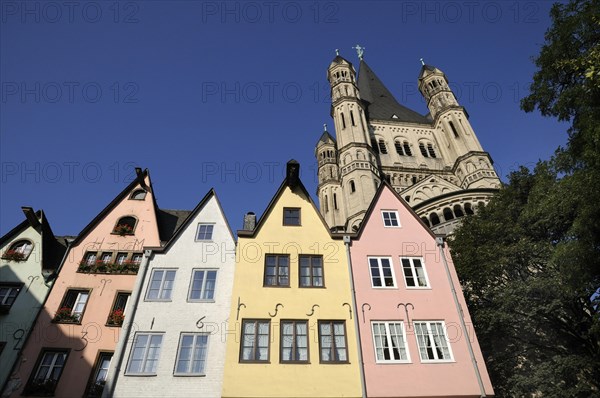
(293, 181)
(326, 138)
(53, 248)
(381, 104)
(382, 186)
(427, 69)
(169, 221)
(179, 220)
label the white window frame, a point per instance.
(203, 287)
(413, 271)
(146, 348)
(80, 300)
(428, 328)
(205, 224)
(191, 360)
(380, 266)
(388, 338)
(162, 283)
(391, 212)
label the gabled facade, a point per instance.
(179, 310)
(417, 337)
(71, 346)
(377, 139)
(29, 260)
(291, 327)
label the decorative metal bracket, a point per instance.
(405, 305)
(363, 309)
(276, 309)
(312, 310)
(32, 278)
(349, 309)
(237, 317)
(199, 323)
(104, 282)
(18, 336)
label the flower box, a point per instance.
(116, 317)
(13, 255)
(64, 315)
(123, 229)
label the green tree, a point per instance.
(530, 261)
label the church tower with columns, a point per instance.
(434, 161)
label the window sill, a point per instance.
(256, 362)
(385, 287)
(204, 240)
(434, 361)
(189, 375)
(418, 288)
(200, 301)
(159, 300)
(66, 322)
(141, 374)
(393, 362)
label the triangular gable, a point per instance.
(429, 187)
(295, 184)
(192, 215)
(370, 211)
(139, 180)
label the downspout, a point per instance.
(440, 243)
(113, 372)
(363, 384)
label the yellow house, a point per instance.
(291, 330)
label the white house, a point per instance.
(175, 344)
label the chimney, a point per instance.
(293, 173)
(249, 221)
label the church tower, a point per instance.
(435, 162)
(357, 164)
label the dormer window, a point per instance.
(125, 226)
(138, 194)
(382, 147)
(18, 251)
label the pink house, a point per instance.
(413, 341)
(69, 351)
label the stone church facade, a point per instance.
(435, 162)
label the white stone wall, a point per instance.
(178, 315)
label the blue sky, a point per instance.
(222, 94)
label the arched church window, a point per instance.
(407, 150)
(468, 209)
(423, 150)
(352, 118)
(407, 198)
(325, 204)
(399, 149)
(458, 211)
(352, 186)
(374, 145)
(431, 151)
(453, 129)
(448, 215)
(382, 147)
(435, 220)
(138, 194)
(426, 221)
(335, 205)
(343, 120)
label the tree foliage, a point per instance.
(530, 261)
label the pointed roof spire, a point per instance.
(360, 51)
(381, 103)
